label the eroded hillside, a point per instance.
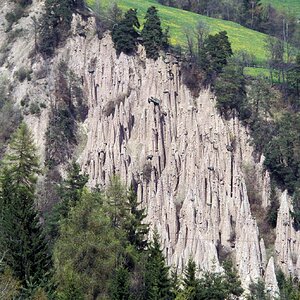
(189, 164)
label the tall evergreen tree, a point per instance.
(22, 240)
(190, 282)
(152, 34)
(134, 227)
(55, 23)
(214, 54)
(70, 193)
(124, 33)
(157, 282)
(120, 285)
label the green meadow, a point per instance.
(179, 21)
(291, 7)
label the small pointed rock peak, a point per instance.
(271, 281)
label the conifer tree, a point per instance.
(152, 34)
(124, 33)
(70, 193)
(120, 286)
(21, 237)
(134, 227)
(157, 282)
(55, 23)
(190, 282)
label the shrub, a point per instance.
(34, 108)
(23, 74)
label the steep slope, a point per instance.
(185, 160)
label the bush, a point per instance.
(14, 16)
(23, 74)
(34, 108)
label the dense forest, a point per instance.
(95, 243)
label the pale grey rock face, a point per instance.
(287, 239)
(186, 161)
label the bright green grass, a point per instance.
(241, 38)
(292, 7)
(255, 72)
(261, 72)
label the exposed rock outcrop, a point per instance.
(186, 161)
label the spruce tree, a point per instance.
(124, 33)
(56, 22)
(120, 284)
(134, 227)
(152, 34)
(70, 193)
(22, 240)
(190, 282)
(157, 282)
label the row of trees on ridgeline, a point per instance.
(125, 35)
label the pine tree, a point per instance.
(157, 282)
(124, 34)
(70, 193)
(190, 282)
(134, 227)
(120, 285)
(22, 238)
(214, 55)
(153, 38)
(232, 281)
(55, 23)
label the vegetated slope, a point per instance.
(291, 7)
(179, 20)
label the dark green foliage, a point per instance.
(296, 209)
(211, 285)
(257, 291)
(56, 23)
(23, 3)
(22, 239)
(289, 289)
(10, 116)
(282, 153)
(157, 281)
(273, 208)
(230, 89)
(120, 285)
(214, 54)
(87, 250)
(153, 37)
(293, 77)
(252, 14)
(60, 136)
(70, 193)
(190, 282)
(232, 281)
(134, 227)
(124, 34)
(70, 107)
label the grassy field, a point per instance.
(292, 7)
(179, 20)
